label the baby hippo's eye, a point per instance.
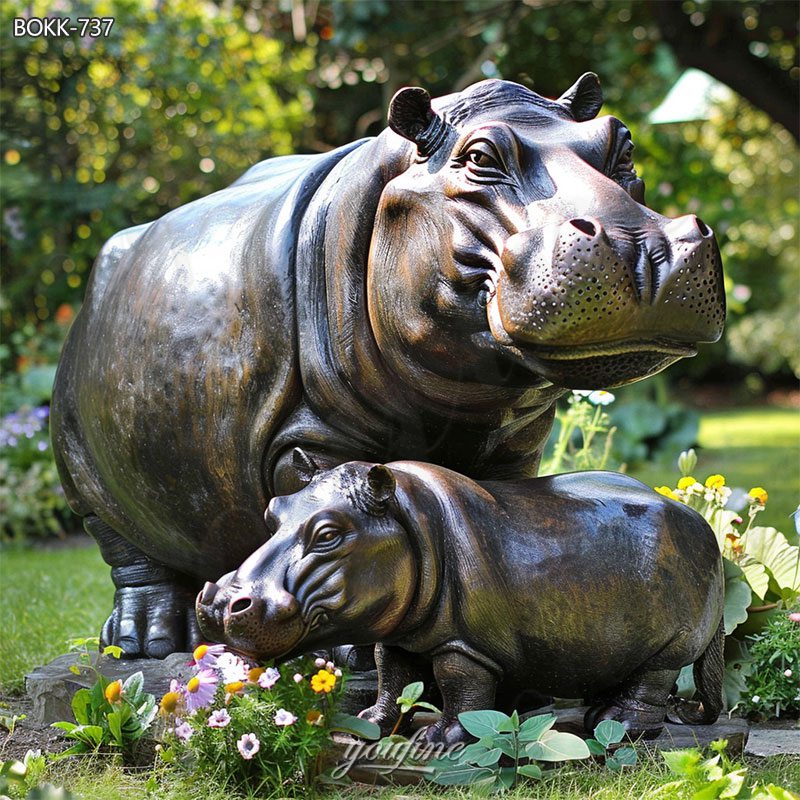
(326, 537)
(481, 155)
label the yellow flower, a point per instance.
(667, 492)
(323, 681)
(685, 483)
(200, 651)
(169, 702)
(234, 688)
(114, 692)
(759, 494)
(254, 674)
(314, 717)
(715, 481)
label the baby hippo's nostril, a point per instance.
(240, 604)
(705, 231)
(208, 593)
(584, 226)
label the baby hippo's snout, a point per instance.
(265, 624)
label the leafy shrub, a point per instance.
(259, 729)
(773, 683)
(32, 502)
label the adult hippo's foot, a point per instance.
(153, 612)
(640, 705)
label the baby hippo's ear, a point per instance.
(305, 466)
(381, 485)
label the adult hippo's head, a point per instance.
(519, 230)
(338, 568)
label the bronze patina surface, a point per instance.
(426, 294)
(585, 585)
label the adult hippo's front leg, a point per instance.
(153, 613)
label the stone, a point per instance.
(773, 741)
(52, 686)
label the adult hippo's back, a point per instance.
(426, 294)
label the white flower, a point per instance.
(787, 673)
(330, 666)
(298, 678)
(219, 719)
(248, 745)
(284, 717)
(232, 668)
(581, 392)
(268, 678)
(756, 698)
(337, 672)
(319, 663)
(601, 398)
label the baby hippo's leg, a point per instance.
(640, 704)
(465, 686)
(396, 669)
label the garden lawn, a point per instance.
(750, 447)
(48, 596)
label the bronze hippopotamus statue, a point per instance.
(424, 294)
(584, 585)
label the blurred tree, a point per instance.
(99, 134)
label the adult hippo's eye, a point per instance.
(481, 159)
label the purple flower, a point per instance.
(268, 678)
(41, 412)
(284, 718)
(41, 446)
(219, 719)
(200, 690)
(207, 655)
(248, 745)
(184, 731)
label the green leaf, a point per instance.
(133, 687)
(782, 560)
(533, 727)
(530, 771)
(461, 776)
(624, 757)
(75, 669)
(737, 596)
(683, 762)
(756, 575)
(427, 706)
(609, 731)
(510, 726)
(595, 748)
(81, 706)
(507, 744)
(507, 777)
(779, 793)
(112, 650)
(469, 754)
(489, 758)
(346, 723)
(115, 726)
(64, 726)
(558, 746)
(483, 723)
(411, 693)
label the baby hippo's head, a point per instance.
(338, 569)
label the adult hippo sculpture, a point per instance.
(587, 585)
(426, 294)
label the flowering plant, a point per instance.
(256, 727)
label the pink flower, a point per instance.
(268, 678)
(248, 745)
(200, 690)
(219, 719)
(298, 678)
(184, 731)
(206, 655)
(795, 616)
(284, 718)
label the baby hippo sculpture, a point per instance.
(581, 585)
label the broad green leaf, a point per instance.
(530, 771)
(624, 757)
(533, 727)
(81, 706)
(595, 748)
(461, 775)
(346, 723)
(489, 758)
(557, 746)
(115, 726)
(511, 725)
(782, 560)
(779, 793)
(737, 597)
(426, 706)
(507, 777)
(609, 731)
(411, 693)
(682, 762)
(64, 726)
(685, 681)
(756, 574)
(469, 754)
(112, 650)
(483, 723)
(507, 743)
(133, 687)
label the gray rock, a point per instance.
(773, 741)
(52, 686)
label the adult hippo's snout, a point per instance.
(583, 303)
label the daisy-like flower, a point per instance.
(715, 481)
(269, 678)
(323, 681)
(113, 692)
(219, 718)
(200, 689)
(232, 668)
(667, 492)
(758, 495)
(601, 398)
(314, 717)
(685, 483)
(284, 718)
(254, 674)
(173, 699)
(232, 689)
(207, 655)
(183, 730)
(248, 745)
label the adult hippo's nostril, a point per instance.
(208, 593)
(586, 226)
(239, 605)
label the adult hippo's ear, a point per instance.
(584, 98)
(304, 465)
(412, 117)
(380, 489)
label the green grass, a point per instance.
(750, 447)
(48, 597)
(99, 778)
